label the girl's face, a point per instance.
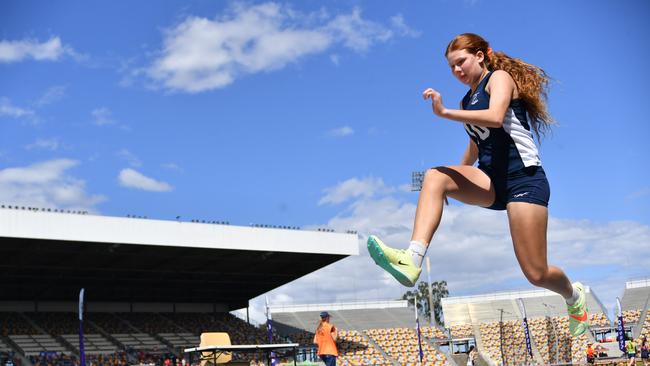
(465, 66)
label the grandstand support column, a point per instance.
(503, 358)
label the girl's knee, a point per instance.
(537, 277)
(435, 177)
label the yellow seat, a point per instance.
(214, 339)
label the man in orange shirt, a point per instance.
(590, 354)
(325, 337)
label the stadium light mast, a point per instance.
(432, 313)
(557, 346)
(502, 310)
(416, 181)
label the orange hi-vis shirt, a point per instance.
(326, 345)
(590, 352)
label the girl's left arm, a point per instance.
(501, 87)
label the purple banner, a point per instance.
(528, 346)
(82, 353)
(620, 331)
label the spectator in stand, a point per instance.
(325, 337)
(590, 353)
(472, 355)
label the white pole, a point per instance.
(432, 315)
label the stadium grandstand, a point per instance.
(495, 322)
(151, 286)
(635, 307)
(370, 333)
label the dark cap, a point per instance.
(324, 314)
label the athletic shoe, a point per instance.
(578, 318)
(397, 262)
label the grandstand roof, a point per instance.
(47, 256)
(488, 308)
(636, 295)
(349, 316)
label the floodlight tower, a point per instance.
(416, 181)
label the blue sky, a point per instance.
(310, 114)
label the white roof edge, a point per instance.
(107, 229)
(510, 295)
(638, 283)
(295, 308)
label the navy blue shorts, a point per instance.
(329, 360)
(527, 185)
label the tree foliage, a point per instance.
(439, 290)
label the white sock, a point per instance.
(418, 251)
(574, 297)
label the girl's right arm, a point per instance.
(471, 154)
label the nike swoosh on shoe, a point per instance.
(581, 318)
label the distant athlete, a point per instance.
(505, 105)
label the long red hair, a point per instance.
(532, 81)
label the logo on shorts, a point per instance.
(518, 195)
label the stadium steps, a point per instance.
(106, 335)
(379, 349)
(18, 352)
(449, 355)
(13, 345)
(458, 359)
(69, 346)
(480, 346)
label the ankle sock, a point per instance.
(574, 297)
(418, 251)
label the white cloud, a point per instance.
(401, 28)
(472, 251)
(355, 32)
(335, 59)
(15, 51)
(51, 144)
(9, 110)
(202, 54)
(172, 166)
(133, 179)
(341, 131)
(46, 184)
(353, 188)
(102, 116)
(133, 160)
(640, 193)
(51, 95)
